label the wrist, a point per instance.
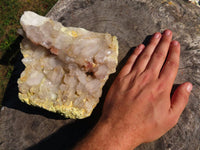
(115, 136)
(106, 135)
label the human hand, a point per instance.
(138, 107)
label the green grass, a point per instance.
(10, 13)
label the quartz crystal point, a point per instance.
(65, 67)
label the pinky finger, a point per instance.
(129, 64)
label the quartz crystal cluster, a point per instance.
(65, 67)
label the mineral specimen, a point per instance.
(65, 67)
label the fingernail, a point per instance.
(189, 87)
(141, 46)
(175, 43)
(157, 35)
(167, 32)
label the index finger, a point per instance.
(170, 68)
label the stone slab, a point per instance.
(26, 127)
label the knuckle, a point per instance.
(128, 64)
(119, 79)
(153, 43)
(122, 80)
(145, 56)
(161, 87)
(131, 60)
(136, 52)
(146, 77)
(138, 71)
(159, 54)
(166, 40)
(172, 63)
(151, 72)
(119, 82)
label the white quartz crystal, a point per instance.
(65, 67)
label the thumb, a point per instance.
(180, 98)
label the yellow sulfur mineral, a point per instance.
(65, 67)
